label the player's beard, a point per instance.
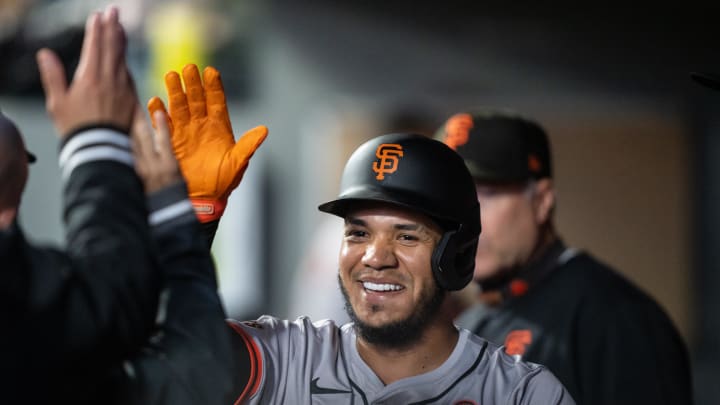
(403, 333)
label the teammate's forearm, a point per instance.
(108, 242)
(191, 358)
(209, 229)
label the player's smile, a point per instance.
(381, 287)
(378, 292)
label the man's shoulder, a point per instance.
(267, 325)
(597, 285)
(586, 267)
(496, 359)
(593, 276)
(504, 373)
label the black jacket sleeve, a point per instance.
(108, 241)
(191, 358)
(94, 303)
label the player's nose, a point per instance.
(379, 255)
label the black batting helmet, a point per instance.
(425, 175)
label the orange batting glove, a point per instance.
(210, 160)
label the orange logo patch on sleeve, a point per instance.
(517, 341)
(389, 155)
(457, 130)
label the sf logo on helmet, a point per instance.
(389, 155)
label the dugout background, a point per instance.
(635, 141)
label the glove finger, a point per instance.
(195, 91)
(177, 102)
(247, 145)
(156, 104)
(215, 94)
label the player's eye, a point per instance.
(355, 233)
(407, 238)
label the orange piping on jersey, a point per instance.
(256, 366)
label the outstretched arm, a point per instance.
(113, 278)
(191, 358)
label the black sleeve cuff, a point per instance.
(209, 229)
(170, 206)
(94, 144)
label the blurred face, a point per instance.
(510, 227)
(13, 170)
(385, 273)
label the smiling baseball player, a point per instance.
(411, 229)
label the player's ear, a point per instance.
(543, 200)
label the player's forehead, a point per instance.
(369, 213)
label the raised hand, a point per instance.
(102, 91)
(211, 161)
(155, 162)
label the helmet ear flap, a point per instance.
(450, 264)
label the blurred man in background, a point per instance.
(607, 341)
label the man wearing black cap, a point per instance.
(606, 340)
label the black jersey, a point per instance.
(607, 341)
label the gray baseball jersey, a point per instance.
(302, 362)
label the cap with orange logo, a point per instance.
(498, 146)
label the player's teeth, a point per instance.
(381, 287)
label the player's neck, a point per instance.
(547, 238)
(497, 294)
(392, 364)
